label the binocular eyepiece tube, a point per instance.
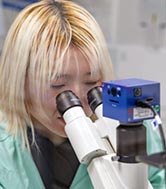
(79, 128)
(94, 97)
(66, 100)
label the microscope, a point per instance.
(114, 145)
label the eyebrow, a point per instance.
(68, 76)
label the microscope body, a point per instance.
(96, 144)
(107, 171)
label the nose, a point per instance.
(80, 93)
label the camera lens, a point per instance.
(114, 91)
(137, 92)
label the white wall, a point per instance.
(141, 51)
(2, 26)
(8, 14)
(136, 51)
(143, 62)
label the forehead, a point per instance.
(75, 60)
(76, 63)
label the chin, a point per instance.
(64, 134)
(59, 131)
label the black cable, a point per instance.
(145, 104)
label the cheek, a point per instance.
(88, 88)
(99, 83)
(49, 101)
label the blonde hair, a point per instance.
(41, 35)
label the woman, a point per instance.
(51, 46)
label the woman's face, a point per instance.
(75, 77)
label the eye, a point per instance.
(91, 83)
(57, 86)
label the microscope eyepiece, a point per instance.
(94, 96)
(66, 100)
